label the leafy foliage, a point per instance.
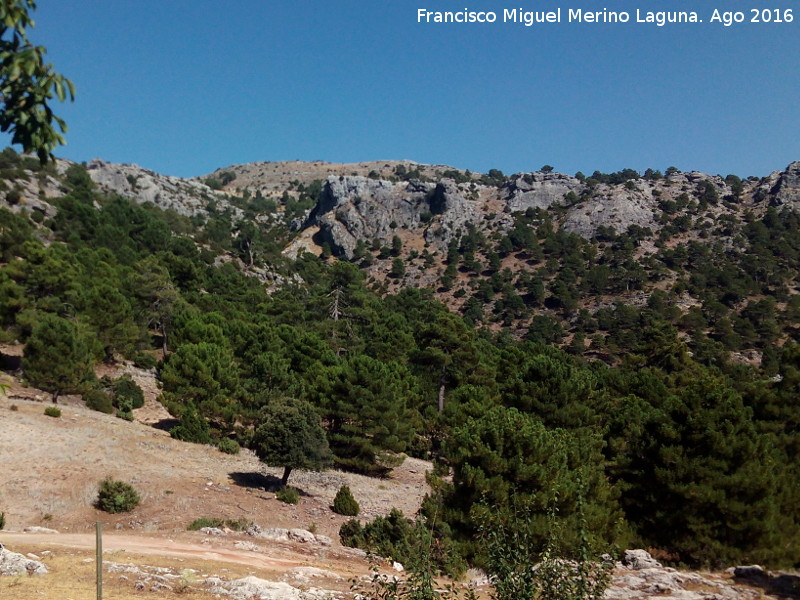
(27, 84)
(289, 435)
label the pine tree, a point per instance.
(56, 357)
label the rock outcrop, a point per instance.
(186, 197)
(539, 190)
(786, 189)
(12, 563)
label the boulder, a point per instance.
(639, 559)
(12, 563)
(34, 529)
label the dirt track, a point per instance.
(151, 546)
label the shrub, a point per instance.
(288, 494)
(52, 411)
(125, 414)
(127, 395)
(143, 360)
(99, 400)
(2, 520)
(13, 408)
(192, 428)
(234, 524)
(228, 446)
(344, 503)
(351, 534)
(202, 522)
(116, 496)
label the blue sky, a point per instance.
(183, 87)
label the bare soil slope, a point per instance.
(52, 466)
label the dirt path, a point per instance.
(152, 546)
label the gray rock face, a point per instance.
(185, 196)
(612, 206)
(12, 563)
(786, 190)
(539, 190)
(639, 559)
(358, 208)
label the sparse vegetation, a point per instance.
(52, 411)
(288, 495)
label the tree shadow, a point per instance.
(781, 585)
(259, 481)
(166, 424)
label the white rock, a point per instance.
(34, 529)
(639, 559)
(12, 563)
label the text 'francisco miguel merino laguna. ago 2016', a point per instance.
(529, 18)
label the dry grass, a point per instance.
(72, 576)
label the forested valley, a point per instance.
(629, 388)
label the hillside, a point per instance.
(613, 354)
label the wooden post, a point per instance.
(99, 559)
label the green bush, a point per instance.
(116, 496)
(125, 414)
(228, 446)
(234, 524)
(192, 428)
(52, 411)
(351, 534)
(2, 520)
(127, 395)
(202, 522)
(344, 503)
(99, 400)
(143, 360)
(288, 494)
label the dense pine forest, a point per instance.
(639, 386)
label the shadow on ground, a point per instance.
(259, 481)
(781, 585)
(166, 424)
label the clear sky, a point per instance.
(186, 86)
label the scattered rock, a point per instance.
(212, 531)
(323, 540)
(249, 546)
(12, 563)
(305, 574)
(301, 535)
(34, 529)
(254, 588)
(397, 567)
(160, 587)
